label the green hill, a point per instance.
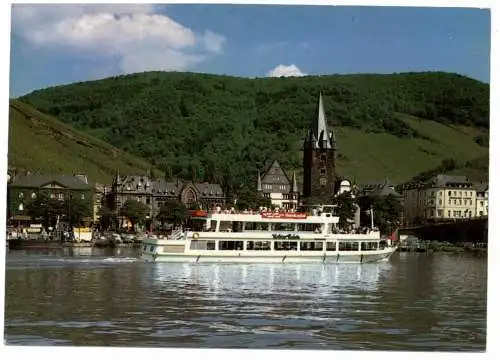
(223, 128)
(41, 144)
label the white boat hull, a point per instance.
(352, 257)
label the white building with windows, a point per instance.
(443, 197)
(481, 200)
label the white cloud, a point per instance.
(285, 70)
(213, 42)
(134, 35)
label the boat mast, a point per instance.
(371, 215)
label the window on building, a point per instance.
(21, 195)
(455, 201)
(459, 193)
(449, 201)
(449, 213)
(454, 193)
(83, 196)
(481, 203)
(33, 195)
(440, 213)
(459, 201)
(322, 182)
(449, 193)
(21, 207)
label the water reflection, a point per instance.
(415, 302)
(220, 279)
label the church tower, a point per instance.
(319, 160)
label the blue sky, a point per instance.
(53, 45)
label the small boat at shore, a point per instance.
(268, 237)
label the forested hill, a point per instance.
(220, 127)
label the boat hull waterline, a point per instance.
(242, 257)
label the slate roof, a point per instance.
(481, 187)
(144, 184)
(38, 181)
(274, 176)
(380, 188)
(443, 179)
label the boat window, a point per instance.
(202, 245)
(331, 246)
(258, 245)
(307, 227)
(145, 248)
(284, 226)
(383, 244)
(311, 246)
(226, 226)
(285, 245)
(230, 245)
(348, 246)
(151, 248)
(372, 245)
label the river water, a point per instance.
(429, 302)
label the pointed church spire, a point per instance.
(259, 184)
(116, 179)
(294, 183)
(318, 135)
(321, 129)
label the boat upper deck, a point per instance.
(266, 217)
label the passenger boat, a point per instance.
(268, 237)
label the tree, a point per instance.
(173, 212)
(345, 208)
(248, 199)
(134, 211)
(76, 209)
(387, 213)
(107, 218)
(46, 209)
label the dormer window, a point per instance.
(33, 196)
(21, 195)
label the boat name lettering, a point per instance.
(270, 215)
(286, 237)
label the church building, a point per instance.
(319, 160)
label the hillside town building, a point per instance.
(443, 197)
(276, 185)
(154, 193)
(23, 189)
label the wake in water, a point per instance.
(53, 261)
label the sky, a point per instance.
(60, 44)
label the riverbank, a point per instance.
(41, 244)
(437, 246)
